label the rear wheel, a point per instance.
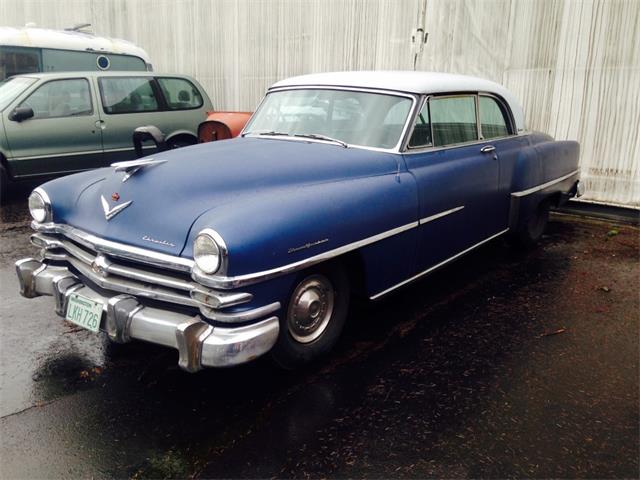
(531, 230)
(314, 318)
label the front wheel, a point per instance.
(314, 318)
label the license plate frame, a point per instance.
(84, 312)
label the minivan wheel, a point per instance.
(180, 142)
(314, 317)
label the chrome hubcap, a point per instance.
(310, 308)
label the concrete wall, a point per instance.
(575, 64)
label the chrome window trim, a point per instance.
(511, 124)
(415, 98)
(120, 250)
(251, 278)
(537, 188)
(431, 148)
(436, 266)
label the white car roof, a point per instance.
(68, 40)
(410, 82)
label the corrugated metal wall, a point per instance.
(575, 64)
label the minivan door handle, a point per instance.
(488, 148)
(100, 124)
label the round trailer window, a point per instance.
(103, 62)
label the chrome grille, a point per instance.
(112, 271)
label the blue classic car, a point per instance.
(341, 184)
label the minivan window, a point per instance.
(127, 95)
(60, 98)
(453, 119)
(11, 88)
(180, 94)
(492, 120)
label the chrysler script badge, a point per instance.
(109, 213)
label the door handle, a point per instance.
(488, 148)
(100, 124)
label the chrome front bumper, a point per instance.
(124, 318)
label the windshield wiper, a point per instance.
(314, 136)
(272, 133)
(322, 137)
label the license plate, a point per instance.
(84, 311)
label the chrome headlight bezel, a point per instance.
(209, 252)
(40, 206)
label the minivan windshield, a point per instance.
(349, 117)
(11, 88)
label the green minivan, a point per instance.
(58, 123)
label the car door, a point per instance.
(61, 136)
(457, 179)
(127, 102)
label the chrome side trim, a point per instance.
(116, 249)
(69, 154)
(440, 215)
(438, 265)
(251, 278)
(531, 190)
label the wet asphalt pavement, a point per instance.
(504, 364)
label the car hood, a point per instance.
(166, 199)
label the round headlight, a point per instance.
(39, 206)
(206, 253)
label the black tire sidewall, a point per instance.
(533, 228)
(4, 184)
(289, 353)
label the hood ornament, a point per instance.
(109, 213)
(130, 167)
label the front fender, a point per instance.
(277, 227)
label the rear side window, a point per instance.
(128, 95)
(180, 94)
(61, 98)
(453, 120)
(492, 119)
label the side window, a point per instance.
(492, 119)
(16, 60)
(453, 120)
(180, 94)
(61, 98)
(421, 136)
(127, 95)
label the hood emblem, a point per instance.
(115, 196)
(109, 213)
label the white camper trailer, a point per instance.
(30, 49)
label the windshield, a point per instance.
(11, 88)
(356, 118)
